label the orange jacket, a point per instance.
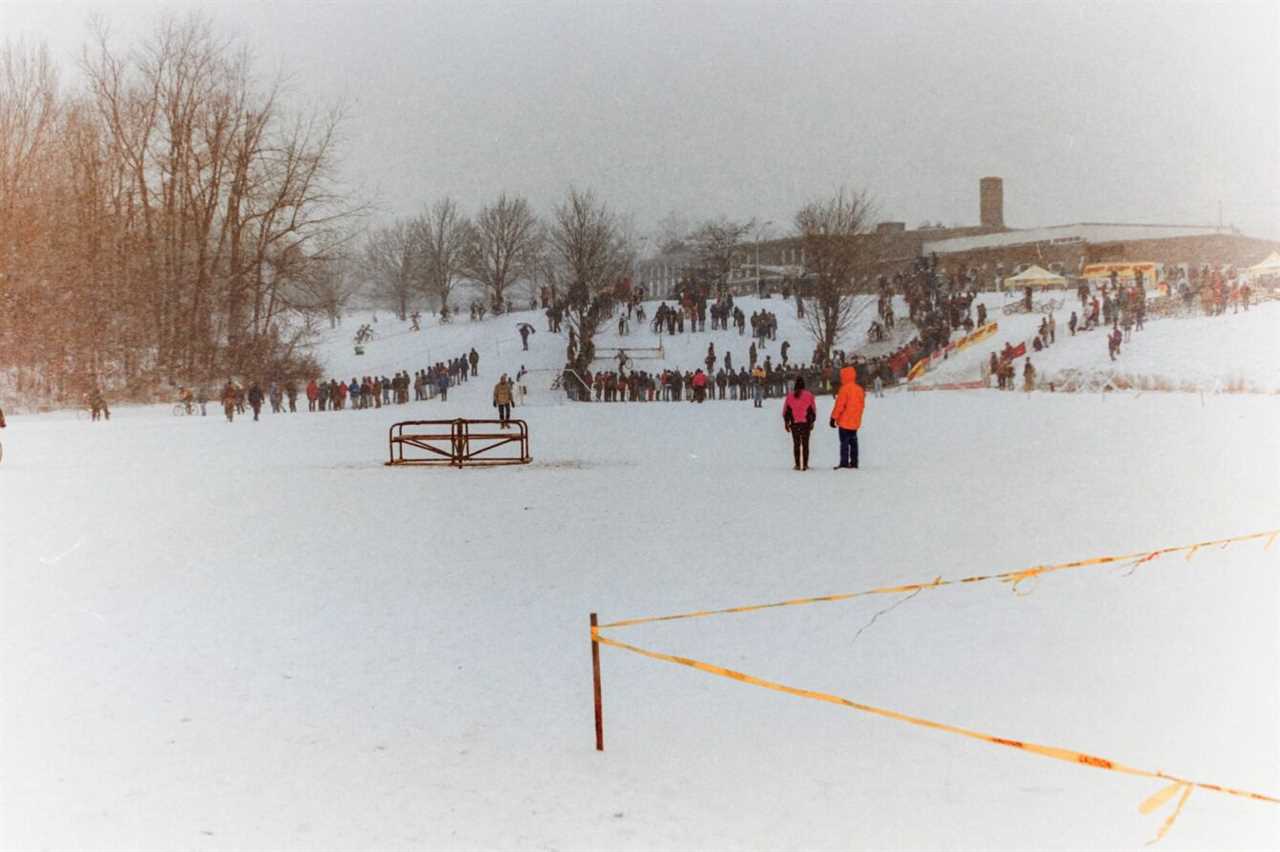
(849, 402)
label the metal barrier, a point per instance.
(457, 442)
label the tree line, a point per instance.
(172, 217)
(165, 217)
(584, 249)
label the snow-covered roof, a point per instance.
(1268, 266)
(1083, 232)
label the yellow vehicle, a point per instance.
(1125, 273)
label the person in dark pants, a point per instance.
(255, 399)
(502, 400)
(798, 415)
(846, 415)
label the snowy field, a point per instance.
(255, 635)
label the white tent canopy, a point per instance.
(1034, 276)
(1268, 267)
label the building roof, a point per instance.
(1081, 232)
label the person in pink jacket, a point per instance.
(799, 412)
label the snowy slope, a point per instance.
(498, 343)
(1199, 351)
(1205, 352)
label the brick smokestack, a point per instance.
(991, 202)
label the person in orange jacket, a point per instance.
(847, 416)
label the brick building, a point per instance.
(990, 248)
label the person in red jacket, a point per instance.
(699, 386)
(846, 415)
(313, 393)
(799, 411)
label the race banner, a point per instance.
(945, 352)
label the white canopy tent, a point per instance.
(1268, 269)
(1034, 276)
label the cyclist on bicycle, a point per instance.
(184, 397)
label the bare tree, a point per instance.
(715, 244)
(225, 191)
(503, 249)
(327, 286)
(444, 235)
(672, 233)
(393, 258)
(29, 116)
(835, 236)
(590, 248)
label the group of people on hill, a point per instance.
(756, 382)
(692, 308)
(335, 394)
(1216, 287)
(377, 391)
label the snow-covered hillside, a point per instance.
(255, 635)
(1240, 349)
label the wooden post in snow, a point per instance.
(595, 672)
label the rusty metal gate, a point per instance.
(458, 442)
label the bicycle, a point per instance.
(184, 409)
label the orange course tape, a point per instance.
(1064, 754)
(1012, 577)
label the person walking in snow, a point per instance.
(1071, 323)
(846, 415)
(1028, 377)
(525, 330)
(474, 359)
(757, 387)
(255, 399)
(229, 401)
(502, 400)
(799, 411)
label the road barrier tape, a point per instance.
(1150, 805)
(1011, 577)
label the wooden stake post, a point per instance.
(595, 672)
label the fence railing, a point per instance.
(458, 443)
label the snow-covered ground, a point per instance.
(255, 635)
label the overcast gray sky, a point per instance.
(1143, 112)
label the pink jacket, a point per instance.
(798, 407)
